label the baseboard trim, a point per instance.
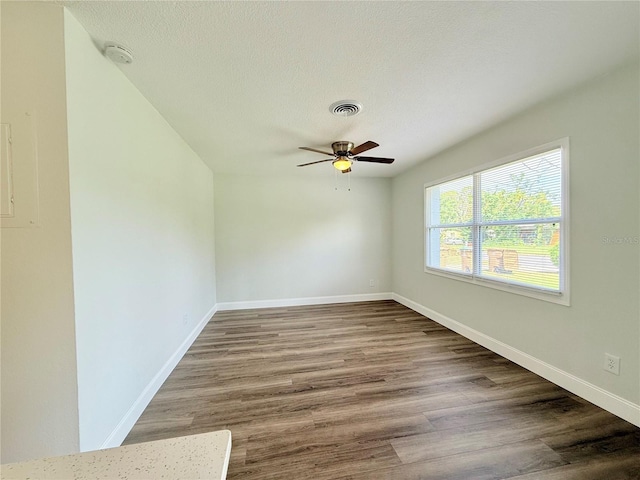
(617, 405)
(294, 302)
(127, 422)
(612, 403)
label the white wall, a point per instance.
(283, 237)
(143, 241)
(602, 120)
(39, 392)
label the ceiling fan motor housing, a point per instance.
(342, 148)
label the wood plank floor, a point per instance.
(376, 391)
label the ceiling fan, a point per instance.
(344, 154)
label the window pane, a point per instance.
(451, 202)
(522, 254)
(450, 249)
(526, 189)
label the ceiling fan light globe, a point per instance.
(342, 163)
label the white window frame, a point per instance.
(563, 297)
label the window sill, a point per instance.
(539, 294)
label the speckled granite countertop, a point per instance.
(204, 456)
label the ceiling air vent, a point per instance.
(346, 108)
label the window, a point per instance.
(504, 225)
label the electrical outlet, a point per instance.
(372, 283)
(612, 364)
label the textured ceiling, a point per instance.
(246, 83)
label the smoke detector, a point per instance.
(346, 108)
(117, 53)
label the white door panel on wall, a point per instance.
(19, 175)
(6, 172)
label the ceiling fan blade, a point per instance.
(319, 161)
(363, 148)
(375, 159)
(314, 150)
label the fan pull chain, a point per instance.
(335, 180)
(349, 180)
